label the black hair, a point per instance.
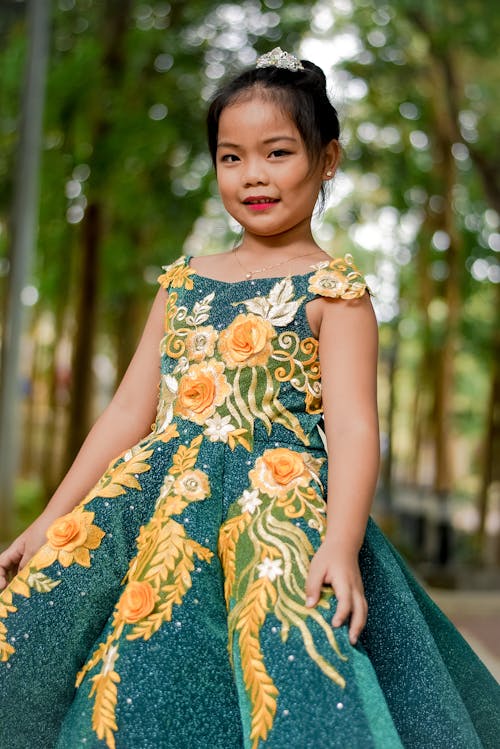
(301, 94)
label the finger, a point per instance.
(27, 557)
(8, 560)
(344, 605)
(313, 584)
(358, 617)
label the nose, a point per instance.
(255, 173)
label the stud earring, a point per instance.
(329, 173)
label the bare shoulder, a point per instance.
(325, 313)
(347, 317)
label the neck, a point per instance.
(287, 244)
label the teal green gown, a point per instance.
(167, 610)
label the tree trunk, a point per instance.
(490, 473)
(81, 368)
(116, 19)
(24, 221)
(49, 458)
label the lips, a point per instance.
(260, 202)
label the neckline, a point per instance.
(252, 281)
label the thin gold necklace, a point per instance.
(250, 273)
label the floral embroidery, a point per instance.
(201, 390)
(27, 580)
(219, 428)
(122, 473)
(222, 382)
(279, 307)
(138, 600)
(72, 537)
(265, 558)
(249, 501)
(338, 278)
(246, 341)
(270, 568)
(277, 471)
(177, 274)
(200, 343)
(158, 578)
(238, 377)
(193, 485)
(69, 540)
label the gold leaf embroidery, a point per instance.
(169, 571)
(281, 490)
(22, 584)
(228, 537)
(94, 660)
(157, 579)
(185, 457)
(248, 618)
(41, 583)
(177, 274)
(106, 694)
(122, 474)
(6, 649)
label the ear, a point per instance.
(332, 155)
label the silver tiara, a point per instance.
(279, 59)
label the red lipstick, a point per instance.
(259, 202)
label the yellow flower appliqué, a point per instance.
(193, 485)
(338, 279)
(200, 343)
(69, 540)
(177, 275)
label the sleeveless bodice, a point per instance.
(239, 359)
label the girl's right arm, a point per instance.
(125, 421)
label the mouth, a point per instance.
(260, 203)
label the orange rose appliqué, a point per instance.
(246, 342)
(201, 389)
(137, 601)
(278, 471)
(69, 540)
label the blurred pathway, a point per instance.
(476, 614)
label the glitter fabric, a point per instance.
(167, 609)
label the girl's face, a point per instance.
(265, 176)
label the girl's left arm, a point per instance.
(348, 349)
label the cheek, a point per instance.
(226, 185)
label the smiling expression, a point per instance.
(265, 176)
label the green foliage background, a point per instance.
(418, 205)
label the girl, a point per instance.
(209, 589)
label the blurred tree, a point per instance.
(125, 174)
(422, 140)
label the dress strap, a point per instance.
(338, 278)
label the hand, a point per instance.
(23, 548)
(340, 569)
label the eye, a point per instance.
(280, 152)
(229, 158)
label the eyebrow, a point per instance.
(225, 144)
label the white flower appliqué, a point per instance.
(270, 568)
(249, 501)
(218, 428)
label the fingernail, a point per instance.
(309, 601)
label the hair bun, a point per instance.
(315, 72)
